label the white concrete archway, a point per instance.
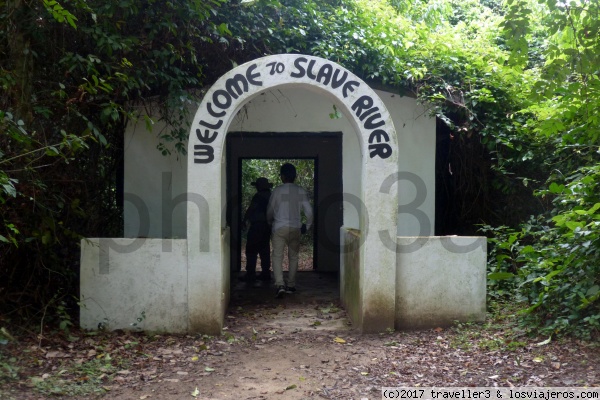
(207, 235)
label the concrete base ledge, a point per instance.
(134, 284)
(142, 284)
(440, 280)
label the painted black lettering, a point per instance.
(378, 136)
(236, 86)
(349, 87)
(217, 101)
(272, 65)
(251, 77)
(213, 112)
(368, 112)
(276, 68)
(336, 83)
(325, 73)
(211, 126)
(382, 150)
(206, 137)
(363, 103)
(371, 124)
(203, 154)
(298, 64)
(310, 73)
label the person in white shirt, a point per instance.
(284, 214)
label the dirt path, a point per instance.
(299, 347)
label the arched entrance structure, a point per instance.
(373, 299)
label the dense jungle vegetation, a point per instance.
(514, 84)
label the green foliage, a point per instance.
(59, 13)
(82, 379)
(8, 365)
(64, 317)
(552, 263)
(553, 258)
(72, 76)
(8, 369)
(253, 169)
(562, 272)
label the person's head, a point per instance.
(288, 173)
(262, 184)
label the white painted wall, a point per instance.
(416, 155)
(123, 278)
(288, 110)
(144, 169)
(440, 280)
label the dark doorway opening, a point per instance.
(325, 148)
(252, 169)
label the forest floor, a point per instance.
(299, 347)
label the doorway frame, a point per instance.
(325, 148)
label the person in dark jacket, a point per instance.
(259, 233)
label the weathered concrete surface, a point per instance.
(134, 284)
(370, 122)
(350, 294)
(440, 280)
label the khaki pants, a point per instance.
(281, 238)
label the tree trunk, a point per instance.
(20, 60)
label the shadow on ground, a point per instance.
(315, 304)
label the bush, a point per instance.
(553, 262)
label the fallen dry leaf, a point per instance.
(473, 356)
(56, 354)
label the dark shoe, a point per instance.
(290, 289)
(264, 277)
(247, 278)
(280, 292)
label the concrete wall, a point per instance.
(440, 280)
(416, 164)
(153, 180)
(123, 279)
(350, 290)
(157, 180)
